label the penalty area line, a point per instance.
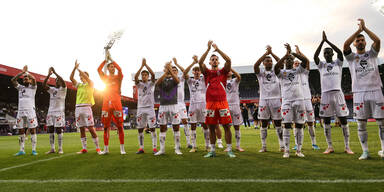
(194, 181)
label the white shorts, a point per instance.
(333, 103)
(182, 111)
(293, 111)
(56, 119)
(169, 114)
(145, 116)
(26, 119)
(269, 108)
(84, 116)
(237, 118)
(309, 112)
(197, 113)
(368, 104)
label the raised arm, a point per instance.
(307, 66)
(45, 86)
(100, 69)
(138, 72)
(72, 77)
(238, 77)
(349, 41)
(86, 77)
(273, 55)
(153, 77)
(59, 77)
(256, 66)
(203, 67)
(15, 78)
(279, 65)
(177, 65)
(334, 47)
(186, 71)
(119, 71)
(174, 76)
(227, 65)
(375, 38)
(167, 69)
(318, 50)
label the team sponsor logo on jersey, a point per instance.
(291, 76)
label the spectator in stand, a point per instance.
(244, 113)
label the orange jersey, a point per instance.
(112, 83)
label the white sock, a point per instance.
(327, 133)
(154, 139)
(286, 135)
(95, 141)
(263, 136)
(106, 148)
(193, 137)
(34, 141)
(213, 147)
(52, 140)
(363, 134)
(141, 140)
(22, 142)
(380, 123)
(238, 137)
(229, 147)
(345, 129)
(219, 141)
(206, 137)
(279, 133)
(186, 133)
(312, 133)
(162, 141)
(176, 137)
(84, 142)
(299, 136)
(122, 149)
(60, 141)
(294, 135)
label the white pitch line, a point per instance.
(34, 162)
(195, 181)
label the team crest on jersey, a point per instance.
(268, 77)
(54, 93)
(329, 68)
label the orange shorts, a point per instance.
(218, 113)
(112, 110)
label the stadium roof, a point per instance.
(11, 71)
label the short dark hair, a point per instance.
(196, 68)
(328, 49)
(213, 55)
(267, 57)
(109, 64)
(359, 35)
(145, 71)
(174, 67)
(86, 73)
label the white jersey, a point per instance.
(269, 84)
(26, 97)
(146, 94)
(364, 71)
(232, 91)
(305, 84)
(57, 99)
(197, 89)
(291, 84)
(180, 89)
(330, 75)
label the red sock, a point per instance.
(121, 134)
(106, 136)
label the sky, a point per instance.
(47, 33)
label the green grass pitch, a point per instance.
(85, 172)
